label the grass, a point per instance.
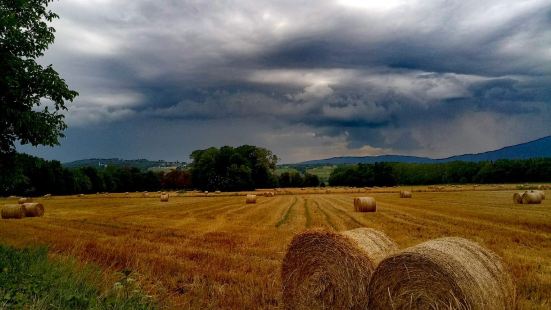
(323, 172)
(218, 252)
(28, 279)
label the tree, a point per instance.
(24, 84)
(229, 168)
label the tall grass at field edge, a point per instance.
(30, 280)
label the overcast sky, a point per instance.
(306, 79)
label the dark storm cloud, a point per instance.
(367, 76)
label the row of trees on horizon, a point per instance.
(249, 167)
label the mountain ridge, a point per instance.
(537, 148)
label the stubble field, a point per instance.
(218, 252)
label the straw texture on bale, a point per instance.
(446, 273)
(164, 197)
(365, 204)
(250, 199)
(13, 211)
(327, 270)
(24, 200)
(33, 209)
(517, 198)
(531, 197)
(541, 193)
(405, 194)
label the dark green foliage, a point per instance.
(296, 179)
(29, 280)
(228, 168)
(386, 174)
(31, 176)
(24, 36)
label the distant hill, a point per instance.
(143, 164)
(534, 149)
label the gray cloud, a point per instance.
(356, 77)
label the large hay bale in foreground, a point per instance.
(405, 194)
(365, 204)
(327, 270)
(446, 273)
(164, 197)
(14, 211)
(517, 198)
(250, 199)
(33, 209)
(531, 197)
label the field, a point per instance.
(218, 252)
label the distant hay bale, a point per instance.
(269, 194)
(250, 199)
(24, 200)
(33, 209)
(164, 197)
(47, 195)
(328, 191)
(531, 197)
(446, 273)
(145, 194)
(14, 211)
(517, 198)
(217, 192)
(327, 270)
(405, 194)
(365, 204)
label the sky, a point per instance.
(305, 79)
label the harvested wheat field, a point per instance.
(198, 251)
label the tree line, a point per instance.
(250, 167)
(31, 176)
(227, 169)
(458, 172)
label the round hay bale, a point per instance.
(531, 197)
(327, 270)
(517, 198)
(146, 194)
(250, 199)
(33, 209)
(13, 211)
(365, 204)
(24, 200)
(405, 194)
(541, 193)
(446, 273)
(217, 192)
(164, 197)
(47, 195)
(269, 194)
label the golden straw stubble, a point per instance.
(446, 273)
